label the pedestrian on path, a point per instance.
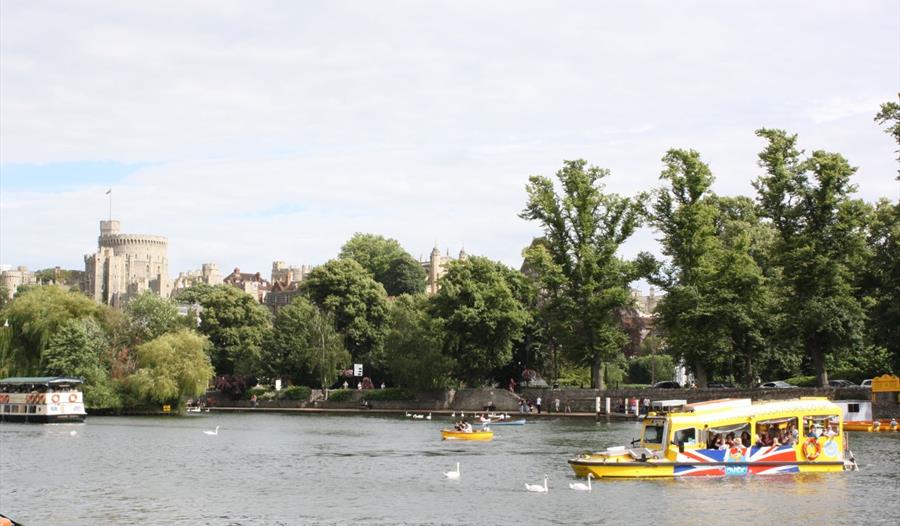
(537, 403)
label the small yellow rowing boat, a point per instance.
(482, 435)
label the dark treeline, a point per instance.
(797, 281)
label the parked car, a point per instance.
(841, 383)
(866, 383)
(778, 384)
(667, 385)
(720, 385)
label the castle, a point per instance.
(126, 265)
(435, 268)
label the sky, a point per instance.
(248, 132)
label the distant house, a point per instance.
(251, 283)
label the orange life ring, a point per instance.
(816, 449)
(55, 398)
(73, 398)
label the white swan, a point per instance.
(452, 475)
(418, 417)
(216, 432)
(537, 488)
(580, 486)
(408, 415)
(453, 414)
(428, 416)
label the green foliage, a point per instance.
(34, 316)
(575, 376)
(404, 275)
(651, 369)
(414, 346)
(171, 367)
(295, 392)
(390, 393)
(80, 348)
(4, 296)
(341, 395)
(587, 283)
(304, 344)
(480, 315)
(150, 316)
(234, 323)
(801, 381)
(258, 391)
(820, 242)
(890, 115)
(386, 262)
(358, 303)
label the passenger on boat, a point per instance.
(729, 441)
(717, 442)
(745, 438)
(467, 427)
(830, 431)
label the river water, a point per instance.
(265, 468)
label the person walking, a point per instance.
(537, 404)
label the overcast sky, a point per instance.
(247, 132)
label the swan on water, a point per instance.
(216, 432)
(453, 414)
(418, 417)
(581, 486)
(537, 488)
(73, 432)
(452, 475)
(408, 415)
(428, 416)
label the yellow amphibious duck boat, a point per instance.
(727, 437)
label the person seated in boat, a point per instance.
(729, 441)
(458, 425)
(795, 434)
(716, 442)
(467, 427)
(784, 437)
(830, 431)
(745, 439)
(893, 424)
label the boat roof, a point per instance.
(44, 380)
(736, 408)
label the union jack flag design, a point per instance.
(697, 458)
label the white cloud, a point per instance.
(276, 130)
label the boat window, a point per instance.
(653, 434)
(776, 432)
(819, 425)
(853, 408)
(685, 436)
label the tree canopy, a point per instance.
(387, 263)
(170, 368)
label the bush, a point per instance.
(295, 392)
(258, 391)
(802, 381)
(341, 395)
(393, 393)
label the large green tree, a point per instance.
(235, 324)
(151, 316)
(414, 346)
(387, 262)
(345, 290)
(481, 316)
(170, 368)
(584, 226)
(34, 316)
(304, 345)
(820, 244)
(80, 347)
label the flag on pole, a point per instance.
(109, 191)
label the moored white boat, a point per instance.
(44, 399)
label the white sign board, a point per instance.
(357, 369)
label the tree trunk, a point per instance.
(748, 371)
(597, 380)
(818, 361)
(700, 374)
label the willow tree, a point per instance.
(820, 245)
(584, 226)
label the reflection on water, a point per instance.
(317, 469)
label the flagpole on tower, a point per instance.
(109, 193)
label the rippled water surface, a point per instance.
(315, 469)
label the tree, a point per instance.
(890, 115)
(821, 240)
(583, 229)
(345, 290)
(34, 316)
(170, 368)
(304, 345)
(80, 347)
(387, 263)
(150, 316)
(414, 346)
(480, 315)
(235, 325)
(404, 275)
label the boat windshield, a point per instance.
(653, 433)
